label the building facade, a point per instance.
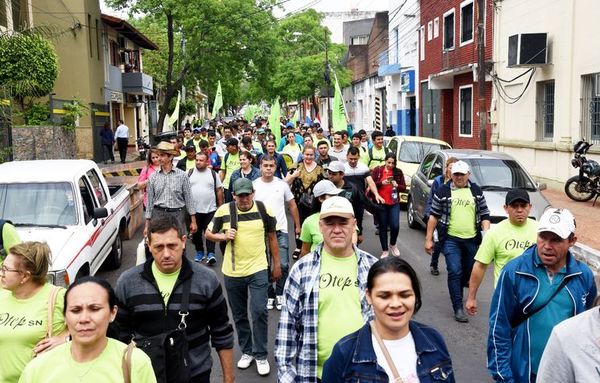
(539, 115)
(448, 96)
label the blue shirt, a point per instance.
(556, 311)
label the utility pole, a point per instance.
(481, 75)
(328, 81)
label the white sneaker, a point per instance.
(262, 366)
(270, 303)
(245, 361)
(394, 250)
(384, 254)
(279, 303)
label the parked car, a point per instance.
(410, 151)
(68, 204)
(495, 172)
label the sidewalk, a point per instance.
(587, 218)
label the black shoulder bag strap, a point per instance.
(524, 317)
(233, 223)
(185, 303)
(263, 215)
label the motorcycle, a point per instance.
(142, 147)
(586, 185)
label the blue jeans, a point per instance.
(460, 257)
(252, 341)
(283, 242)
(389, 217)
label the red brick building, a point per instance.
(448, 96)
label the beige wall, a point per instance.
(573, 51)
(81, 72)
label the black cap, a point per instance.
(517, 195)
(190, 147)
(232, 142)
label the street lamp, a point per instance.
(326, 75)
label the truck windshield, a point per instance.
(38, 203)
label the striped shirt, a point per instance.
(296, 341)
(170, 190)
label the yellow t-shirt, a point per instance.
(249, 244)
(165, 282)
(23, 323)
(462, 214)
(190, 164)
(505, 242)
(339, 297)
(58, 366)
(232, 164)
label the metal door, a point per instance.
(100, 116)
(430, 111)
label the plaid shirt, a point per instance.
(169, 190)
(296, 342)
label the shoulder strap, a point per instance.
(233, 223)
(2, 222)
(126, 362)
(386, 354)
(51, 304)
(262, 211)
(523, 318)
(214, 176)
(190, 172)
(225, 160)
(185, 297)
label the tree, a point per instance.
(222, 40)
(28, 65)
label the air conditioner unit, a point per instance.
(527, 50)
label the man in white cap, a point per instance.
(460, 214)
(536, 291)
(323, 286)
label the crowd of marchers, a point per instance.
(346, 315)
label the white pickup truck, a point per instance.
(68, 204)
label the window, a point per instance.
(89, 31)
(465, 106)
(88, 202)
(359, 40)
(115, 56)
(545, 110)
(590, 107)
(97, 187)
(396, 42)
(466, 22)
(426, 165)
(437, 169)
(449, 30)
(429, 30)
(422, 43)
(436, 27)
(98, 38)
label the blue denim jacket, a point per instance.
(353, 358)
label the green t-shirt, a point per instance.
(311, 233)
(339, 304)
(190, 164)
(462, 214)
(377, 159)
(504, 242)
(165, 282)
(232, 164)
(23, 323)
(57, 365)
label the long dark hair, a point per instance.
(396, 265)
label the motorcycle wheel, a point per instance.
(579, 190)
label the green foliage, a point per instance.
(73, 112)
(187, 107)
(28, 64)
(36, 114)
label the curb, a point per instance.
(589, 256)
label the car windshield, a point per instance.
(413, 151)
(495, 174)
(44, 204)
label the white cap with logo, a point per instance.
(558, 221)
(336, 207)
(325, 187)
(460, 167)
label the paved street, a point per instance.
(467, 343)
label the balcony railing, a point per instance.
(137, 83)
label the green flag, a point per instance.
(218, 102)
(338, 111)
(175, 115)
(274, 121)
(296, 117)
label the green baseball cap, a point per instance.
(243, 186)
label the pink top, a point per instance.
(144, 175)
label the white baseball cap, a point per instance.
(336, 207)
(558, 221)
(325, 187)
(460, 167)
(336, 167)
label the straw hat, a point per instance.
(167, 147)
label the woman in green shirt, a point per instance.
(90, 356)
(26, 299)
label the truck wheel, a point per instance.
(410, 215)
(113, 261)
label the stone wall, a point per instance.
(42, 143)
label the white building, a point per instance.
(400, 67)
(561, 103)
